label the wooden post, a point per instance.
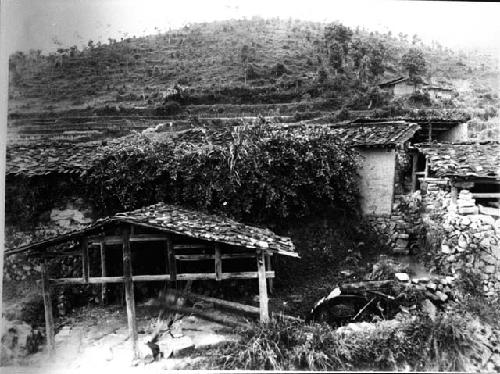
(268, 268)
(129, 290)
(85, 258)
(218, 264)
(104, 287)
(47, 302)
(172, 266)
(263, 300)
(426, 174)
(413, 172)
(454, 194)
(429, 139)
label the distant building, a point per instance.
(400, 86)
(438, 93)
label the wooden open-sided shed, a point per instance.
(184, 235)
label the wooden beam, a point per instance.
(263, 299)
(160, 277)
(191, 246)
(249, 309)
(225, 256)
(47, 303)
(454, 194)
(486, 195)
(268, 268)
(129, 291)
(218, 264)
(414, 172)
(104, 273)
(172, 265)
(137, 238)
(85, 258)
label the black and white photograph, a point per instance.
(249, 185)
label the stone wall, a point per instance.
(466, 242)
(401, 231)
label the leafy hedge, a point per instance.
(257, 175)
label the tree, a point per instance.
(414, 62)
(322, 76)
(245, 53)
(336, 54)
(340, 34)
(376, 65)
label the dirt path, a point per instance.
(96, 338)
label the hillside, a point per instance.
(230, 62)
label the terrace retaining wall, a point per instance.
(465, 242)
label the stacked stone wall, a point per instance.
(401, 231)
(465, 241)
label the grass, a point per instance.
(420, 344)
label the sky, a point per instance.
(43, 24)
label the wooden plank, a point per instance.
(129, 291)
(454, 194)
(47, 303)
(137, 238)
(172, 265)
(191, 246)
(225, 256)
(160, 277)
(268, 268)
(85, 258)
(486, 195)
(414, 172)
(104, 287)
(249, 309)
(263, 299)
(218, 264)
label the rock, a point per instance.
(468, 210)
(403, 277)
(175, 346)
(489, 269)
(431, 286)
(445, 249)
(429, 309)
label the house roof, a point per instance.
(42, 159)
(393, 81)
(71, 158)
(177, 220)
(380, 134)
(464, 160)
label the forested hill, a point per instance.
(238, 62)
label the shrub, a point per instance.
(420, 344)
(258, 175)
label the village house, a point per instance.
(400, 86)
(465, 165)
(438, 92)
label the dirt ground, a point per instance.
(96, 338)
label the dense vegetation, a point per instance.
(257, 175)
(450, 342)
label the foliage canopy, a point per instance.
(258, 175)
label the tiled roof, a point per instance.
(463, 160)
(177, 220)
(63, 158)
(382, 134)
(68, 158)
